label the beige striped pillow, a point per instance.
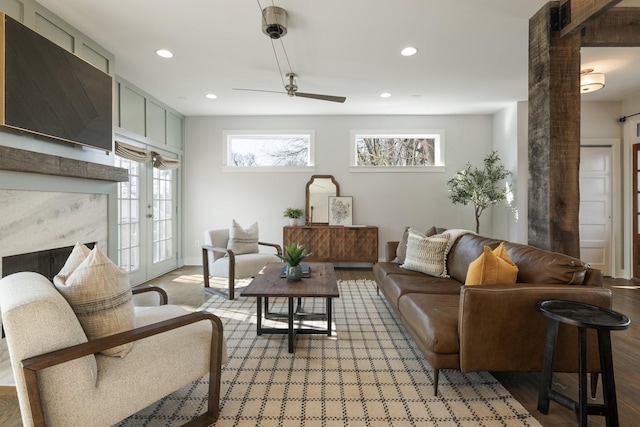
(427, 254)
(100, 294)
(243, 240)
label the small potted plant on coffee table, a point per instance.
(294, 215)
(293, 256)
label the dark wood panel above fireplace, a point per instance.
(15, 159)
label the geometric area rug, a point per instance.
(368, 373)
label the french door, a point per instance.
(147, 220)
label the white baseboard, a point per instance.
(193, 261)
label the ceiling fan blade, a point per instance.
(321, 97)
(259, 90)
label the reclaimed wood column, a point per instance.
(554, 135)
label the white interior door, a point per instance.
(595, 206)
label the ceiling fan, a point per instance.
(274, 25)
(292, 90)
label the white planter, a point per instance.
(294, 222)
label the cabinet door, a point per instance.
(316, 239)
(354, 244)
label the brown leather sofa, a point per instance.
(491, 327)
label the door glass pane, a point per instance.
(163, 206)
(128, 217)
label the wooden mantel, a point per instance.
(17, 160)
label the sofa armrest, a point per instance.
(500, 328)
(390, 250)
(593, 276)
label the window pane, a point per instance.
(374, 151)
(128, 217)
(268, 150)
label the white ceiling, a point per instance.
(472, 54)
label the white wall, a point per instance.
(390, 201)
(505, 142)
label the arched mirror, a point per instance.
(319, 189)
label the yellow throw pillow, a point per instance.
(492, 268)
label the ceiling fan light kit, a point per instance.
(590, 81)
(274, 22)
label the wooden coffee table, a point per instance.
(268, 284)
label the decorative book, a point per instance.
(306, 270)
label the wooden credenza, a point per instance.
(329, 243)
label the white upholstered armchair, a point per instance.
(221, 259)
(62, 380)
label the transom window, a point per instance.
(271, 150)
(397, 151)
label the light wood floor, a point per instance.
(184, 288)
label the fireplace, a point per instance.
(48, 262)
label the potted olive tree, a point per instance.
(294, 215)
(480, 186)
(293, 256)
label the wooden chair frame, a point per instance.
(32, 365)
(232, 265)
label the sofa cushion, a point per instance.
(492, 267)
(433, 319)
(464, 251)
(396, 285)
(243, 240)
(427, 254)
(401, 251)
(539, 266)
(100, 294)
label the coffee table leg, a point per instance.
(329, 300)
(259, 315)
(291, 336)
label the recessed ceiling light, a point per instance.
(211, 95)
(385, 95)
(408, 51)
(164, 53)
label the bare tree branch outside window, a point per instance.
(371, 151)
(269, 150)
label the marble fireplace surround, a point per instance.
(47, 201)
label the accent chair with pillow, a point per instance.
(234, 253)
(83, 355)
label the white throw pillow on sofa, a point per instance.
(427, 254)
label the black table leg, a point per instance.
(259, 316)
(291, 334)
(329, 316)
(608, 381)
(547, 365)
(583, 409)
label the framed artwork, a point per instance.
(340, 210)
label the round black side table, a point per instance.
(582, 316)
